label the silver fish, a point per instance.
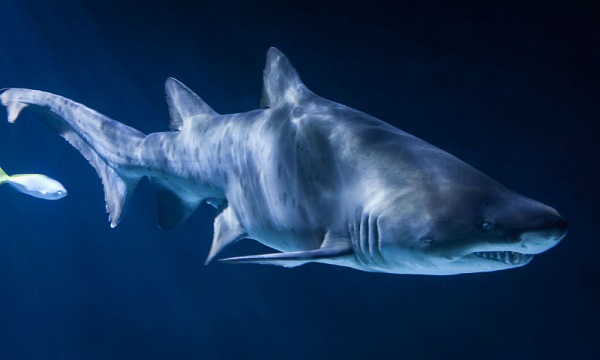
(36, 185)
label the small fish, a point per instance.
(36, 185)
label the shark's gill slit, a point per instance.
(363, 238)
(368, 239)
(372, 240)
(374, 243)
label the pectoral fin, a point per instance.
(293, 259)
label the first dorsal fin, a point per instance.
(184, 105)
(281, 82)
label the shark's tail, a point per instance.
(102, 141)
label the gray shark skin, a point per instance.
(315, 180)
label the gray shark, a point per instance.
(313, 179)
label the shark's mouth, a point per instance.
(507, 257)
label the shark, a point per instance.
(312, 179)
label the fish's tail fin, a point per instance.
(3, 176)
(107, 144)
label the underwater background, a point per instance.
(512, 88)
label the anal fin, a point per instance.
(172, 209)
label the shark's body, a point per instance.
(311, 178)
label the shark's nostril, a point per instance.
(557, 228)
(563, 224)
(562, 229)
(547, 224)
(545, 235)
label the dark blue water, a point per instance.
(513, 90)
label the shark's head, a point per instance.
(451, 227)
(469, 232)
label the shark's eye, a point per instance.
(486, 226)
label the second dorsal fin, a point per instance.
(184, 105)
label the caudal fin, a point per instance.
(104, 142)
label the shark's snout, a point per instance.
(549, 229)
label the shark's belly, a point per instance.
(284, 222)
